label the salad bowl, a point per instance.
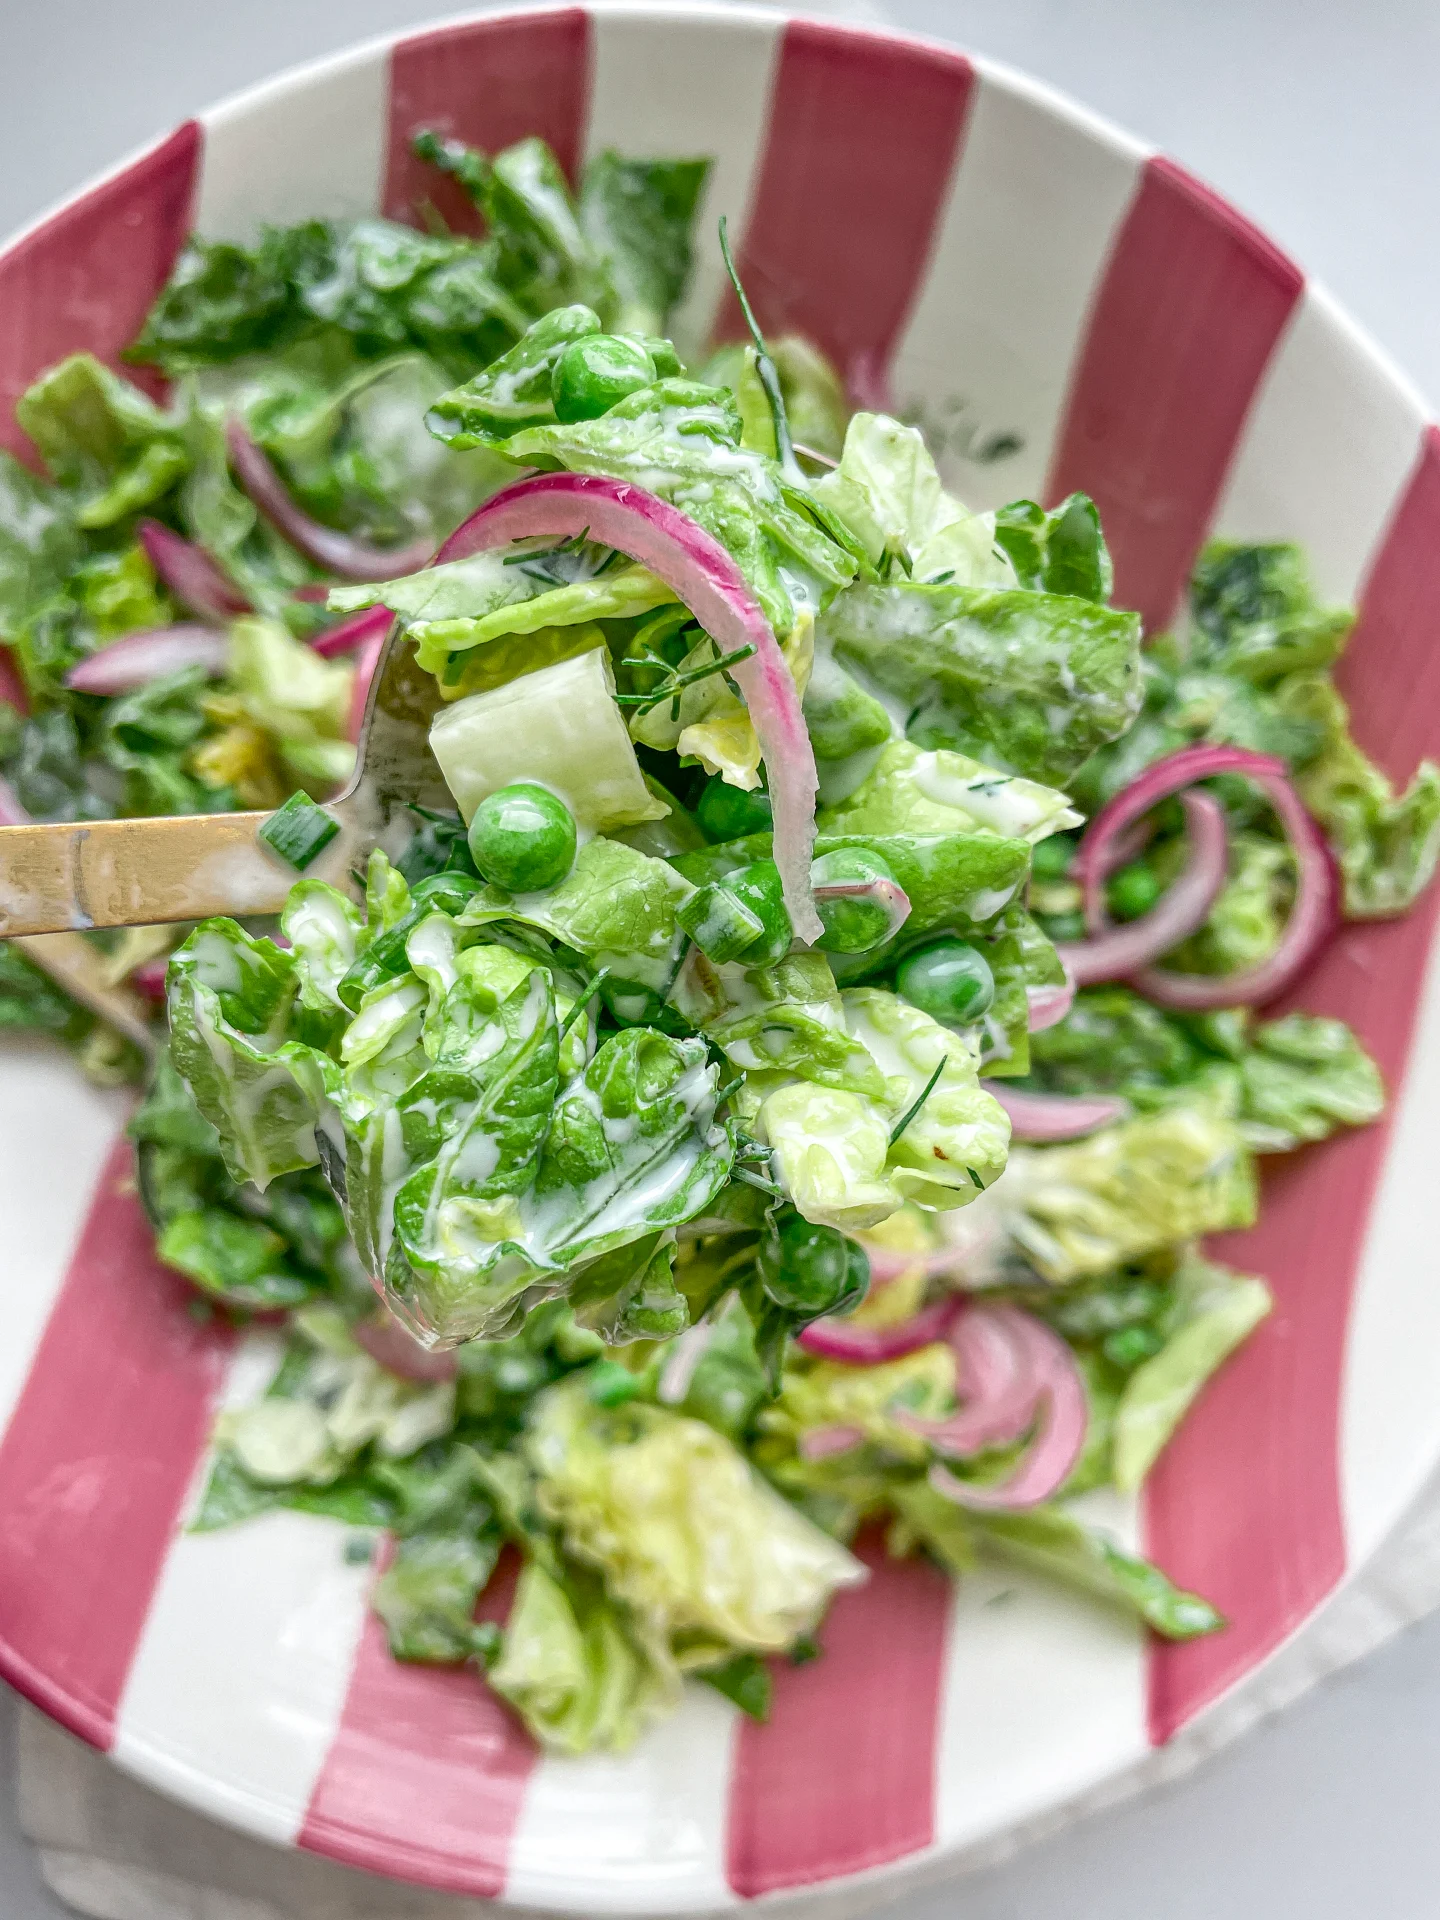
(1059, 308)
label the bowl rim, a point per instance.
(290, 84)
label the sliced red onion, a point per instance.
(314, 591)
(385, 1340)
(1049, 1005)
(700, 572)
(823, 1443)
(12, 814)
(1055, 1116)
(136, 659)
(351, 633)
(339, 553)
(12, 687)
(995, 1381)
(191, 575)
(1057, 1398)
(366, 661)
(680, 1363)
(1313, 917)
(1114, 953)
(865, 1346)
(888, 894)
(148, 979)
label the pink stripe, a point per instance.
(97, 1460)
(488, 82)
(843, 1777)
(1244, 1505)
(864, 135)
(1190, 308)
(84, 281)
(427, 1771)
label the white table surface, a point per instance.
(1320, 119)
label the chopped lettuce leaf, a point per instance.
(1301, 1078)
(912, 791)
(558, 727)
(103, 439)
(1132, 1188)
(887, 492)
(637, 216)
(1029, 683)
(684, 1530)
(301, 700)
(580, 1672)
(1215, 1310)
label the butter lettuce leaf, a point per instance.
(913, 791)
(638, 216)
(1301, 1078)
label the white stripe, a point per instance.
(309, 145)
(1327, 448)
(706, 92)
(239, 1680)
(1389, 1408)
(1043, 1695)
(642, 1832)
(56, 1133)
(1038, 193)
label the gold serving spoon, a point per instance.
(67, 876)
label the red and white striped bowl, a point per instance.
(1018, 275)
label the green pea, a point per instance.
(811, 1270)
(949, 980)
(851, 926)
(1132, 891)
(730, 813)
(523, 838)
(595, 372)
(758, 888)
(1051, 858)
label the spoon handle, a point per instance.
(126, 873)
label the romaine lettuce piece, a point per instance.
(1387, 844)
(616, 906)
(1055, 1542)
(1301, 1078)
(299, 699)
(887, 492)
(426, 1596)
(842, 719)
(829, 1149)
(1256, 616)
(1029, 683)
(229, 999)
(582, 1674)
(325, 932)
(1133, 1188)
(680, 1525)
(637, 216)
(1215, 1309)
(786, 1019)
(956, 1144)
(823, 1393)
(103, 439)
(912, 791)
(558, 727)
(1062, 551)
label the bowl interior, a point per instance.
(1059, 308)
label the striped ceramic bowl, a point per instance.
(1062, 308)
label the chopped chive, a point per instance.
(677, 682)
(903, 1123)
(765, 368)
(299, 831)
(978, 1183)
(583, 1002)
(724, 1093)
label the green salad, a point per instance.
(786, 1094)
